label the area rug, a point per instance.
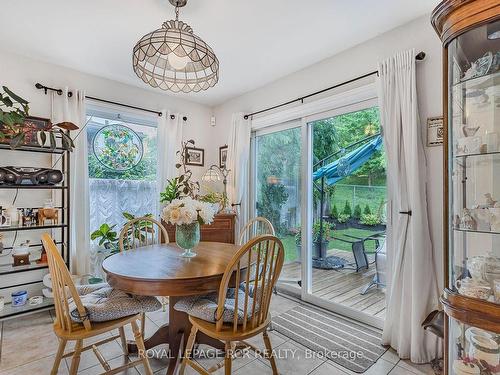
(351, 345)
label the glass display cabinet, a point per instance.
(470, 31)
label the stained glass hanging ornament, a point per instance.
(174, 58)
(344, 165)
(118, 147)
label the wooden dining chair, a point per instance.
(255, 227)
(69, 307)
(140, 232)
(234, 317)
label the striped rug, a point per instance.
(351, 345)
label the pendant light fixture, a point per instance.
(173, 58)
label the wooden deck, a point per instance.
(343, 286)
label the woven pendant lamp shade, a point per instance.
(173, 58)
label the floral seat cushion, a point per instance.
(103, 303)
(205, 307)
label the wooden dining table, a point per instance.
(159, 270)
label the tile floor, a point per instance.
(29, 345)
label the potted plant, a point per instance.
(13, 112)
(187, 214)
(108, 240)
(320, 247)
(321, 238)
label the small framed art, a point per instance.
(435, 131)
(223, 156)
(195, 156)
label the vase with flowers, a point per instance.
(187, 214)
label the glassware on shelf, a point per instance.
(475, 350)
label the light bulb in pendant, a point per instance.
(178, 63)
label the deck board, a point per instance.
(343, 286)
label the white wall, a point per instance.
(20, 74)
(357, 61)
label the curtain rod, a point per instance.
(70, 94)
(419, 57)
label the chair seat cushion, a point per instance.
(103, 303)
(205, 307)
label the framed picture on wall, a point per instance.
(435, 131)
(195, 156)
(222, 156)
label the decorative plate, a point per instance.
(117, 147)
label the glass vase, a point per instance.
(187, 236)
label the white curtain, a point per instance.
(412, 291)
(169, 135)
(72, 109)
(238, 162)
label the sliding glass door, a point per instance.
(347, 190)
(277, 186)
(320, 180)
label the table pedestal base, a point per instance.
(175, 334)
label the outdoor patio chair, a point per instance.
(379, 279)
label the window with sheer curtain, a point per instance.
(122, 162)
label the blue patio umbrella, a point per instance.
(350, 162)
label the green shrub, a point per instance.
(370, 219)
(357, 212)
(347, 209)
(335, 211)
(343, 218)
(367, 210)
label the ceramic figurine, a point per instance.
(50, 214)
(490, 202)
(495, 223)
(467, 221)
(469, 131)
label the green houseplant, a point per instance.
(13, 112)
(108, 239)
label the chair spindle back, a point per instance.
(142, 231)
(265, 256)
(63, 289)
(258, 226)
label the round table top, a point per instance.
(159, 270)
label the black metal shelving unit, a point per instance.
(7, 271)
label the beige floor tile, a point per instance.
(253, 368)
(276, 340)
(381, 367)
(116, 362)
(416, 368)
(160, 360)
(22, 340)
(328, 369)
(399, 370)
(391, 356)
(280, 304)
(292, 359)
(159, 317)
(39, 367)
(88, 359)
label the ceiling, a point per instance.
(256, 41)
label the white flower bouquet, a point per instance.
(187, 211)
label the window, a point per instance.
(122, 161)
